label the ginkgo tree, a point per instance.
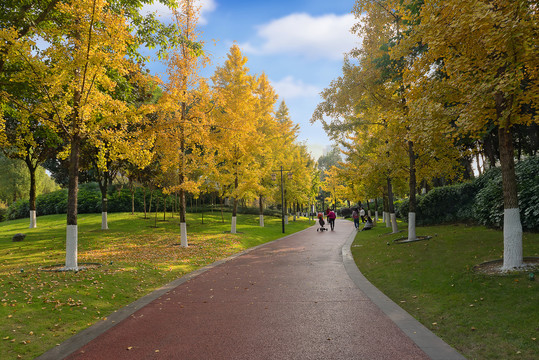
(268, 127)
(303, 168)
(236, 127)
(282, 148)
(488, 54)
(23, 136)
(72, 72)
(184, 139)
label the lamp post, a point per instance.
(274, 177)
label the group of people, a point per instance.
(356, 214)
(366, 219)
(331, 216)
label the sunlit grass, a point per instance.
(40, 309)
(484, 317)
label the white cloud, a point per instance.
(206, 7)
(326, 36)
(289, 88)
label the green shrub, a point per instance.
(402, 207)
(52, 203)
(18, 210)
(3, 211)
(445, 204)
(89, 201)
(528, 197)
(488, 207)
(346, 212)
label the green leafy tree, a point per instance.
(73, 73)
(183, 124)
(488, 52)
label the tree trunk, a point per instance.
(33, 194)
(222, 211)
(285, 209)
(202, 208)
(181, 180)
(183, 222)
(150, 205)
(164, 208)
(375, 211)
(103, 185)
(392, 217)
(490, 149)
(385, 207)
(133, 201)
(261, 210)
(512, 227)
(156, 211)
(72, 197)
(412, 188)
(234, 208)
(144, 202)
(479, 172)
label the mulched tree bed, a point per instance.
(494, 267)
(405, 240)
(61, 267)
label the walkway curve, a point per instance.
(298, 297)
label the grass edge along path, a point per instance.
(482, 316)
(42, 309)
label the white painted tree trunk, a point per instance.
(183, 235)
(71, 247)
(375, 218)
(286, 219)
(104, 223)
(388, 220)
(33, 223)
(394, 227)
(383, 216)
(411, 226)
(512, 239)
(261, 220)
(233, 227)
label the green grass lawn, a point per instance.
(482, 316)
(40, 309)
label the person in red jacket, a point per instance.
(331, 219)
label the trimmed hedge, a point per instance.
(479, 201)
(118, 200)
(528, 196)
(488, 207)
(89, 201)
(446, 204)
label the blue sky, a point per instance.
(299, 44)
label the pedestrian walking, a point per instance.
(355, 216)
(331, 219)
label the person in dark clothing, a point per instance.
(355, 216)
(368, 223)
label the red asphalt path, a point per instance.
(289, 299)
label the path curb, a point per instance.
(431, 344)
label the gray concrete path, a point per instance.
(300, 297)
